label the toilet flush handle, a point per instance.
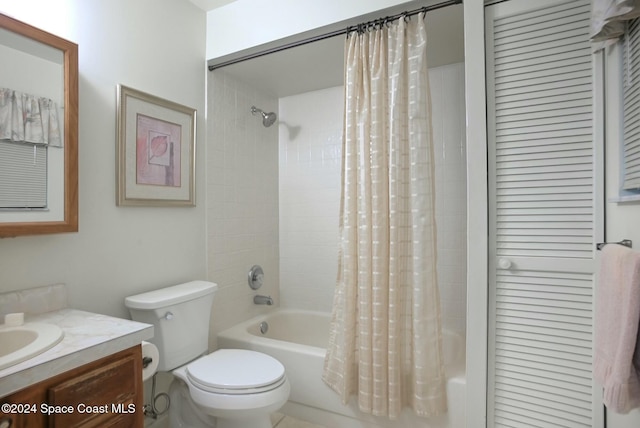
(168, 316)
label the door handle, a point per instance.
(504, 263)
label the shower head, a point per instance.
(268, 119)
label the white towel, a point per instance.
(616, 328)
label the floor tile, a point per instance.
(276, 418)
(289, 422)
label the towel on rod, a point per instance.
(616, 328)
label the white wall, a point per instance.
(621, 218)
(310, 168)
(242, 199)
(477, 231)
(156, 46)
(245, 24)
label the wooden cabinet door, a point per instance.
(99, 397)
(25, 409)
(104, 393)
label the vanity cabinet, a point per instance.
(104, 393)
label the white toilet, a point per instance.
(229, 388)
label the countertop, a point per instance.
(87, 337)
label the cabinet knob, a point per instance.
(6, 422)
(504, 263)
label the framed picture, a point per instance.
(155, 151)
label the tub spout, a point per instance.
(262, 300)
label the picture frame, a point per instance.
(155, 151)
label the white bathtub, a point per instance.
(298, 340)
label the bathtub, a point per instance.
(298, 339)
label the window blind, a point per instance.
(23, 176)
(631, 97)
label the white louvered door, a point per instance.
(543, 218)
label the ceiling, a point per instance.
(319, 65)
(210, 4)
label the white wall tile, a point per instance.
(310, 197)
(447, 91)
(242, 208)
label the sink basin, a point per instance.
(20, 343)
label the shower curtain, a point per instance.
(385, 342)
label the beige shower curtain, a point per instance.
(385, 343)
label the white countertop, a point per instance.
(87, 337)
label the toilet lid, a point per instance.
(235, 371)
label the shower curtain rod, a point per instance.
(335, 33)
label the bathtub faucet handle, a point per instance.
(262, 300)
(256, 277)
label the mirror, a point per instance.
(43, 73)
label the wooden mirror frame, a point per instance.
(70, 55)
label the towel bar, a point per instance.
(625, 242)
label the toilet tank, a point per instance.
(180, 318)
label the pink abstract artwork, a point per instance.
(157, 152)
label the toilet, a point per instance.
(228, 388)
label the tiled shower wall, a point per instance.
(449, 136)
(309, 196)
(242, 199)
(310, 161)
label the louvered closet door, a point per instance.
(542, 215)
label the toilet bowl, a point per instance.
(240, 388)
(228, 388)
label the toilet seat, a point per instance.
(236, 372)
